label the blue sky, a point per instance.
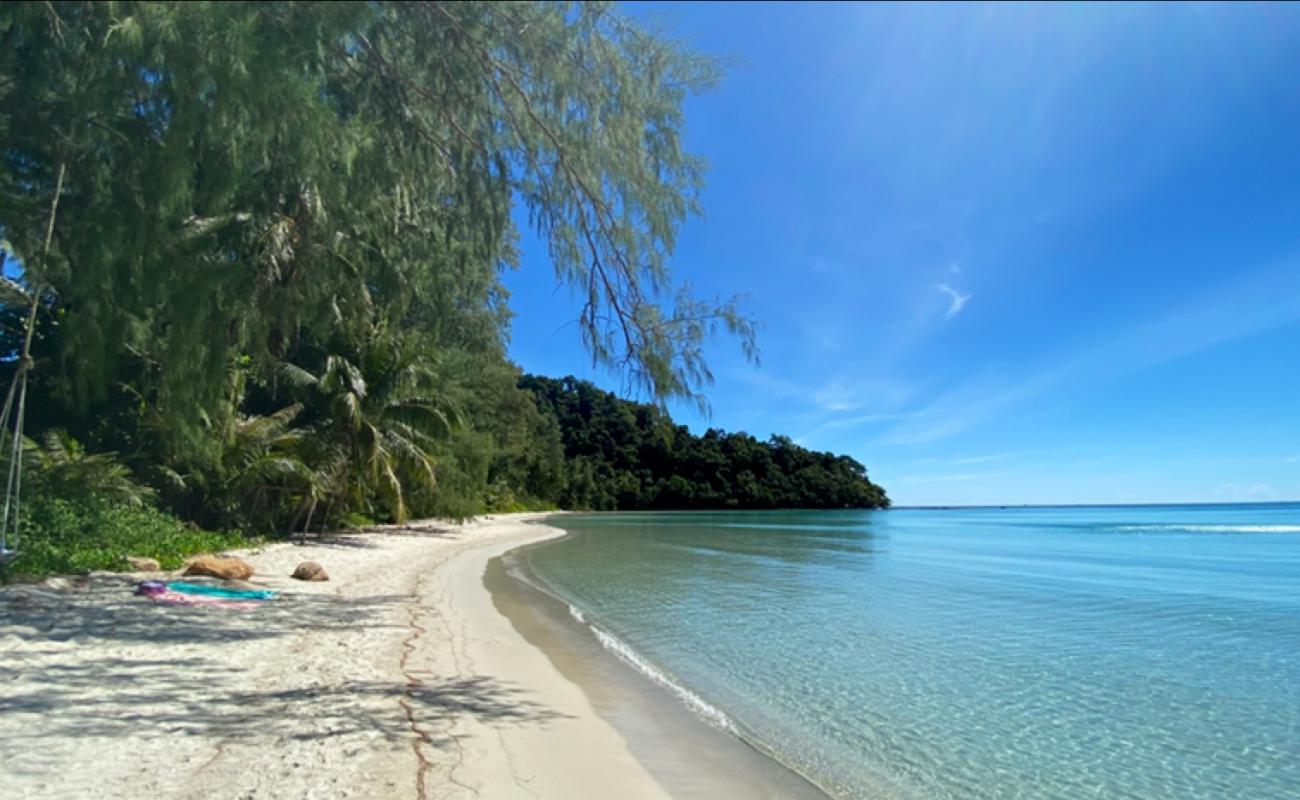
(1001, 254)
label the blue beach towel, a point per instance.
(219, 591)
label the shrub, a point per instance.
(87, 532)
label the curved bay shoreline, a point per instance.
(400, 677)
(689, 756)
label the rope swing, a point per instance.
(18, 387)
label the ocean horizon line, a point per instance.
(1161, 504)
(940, 507)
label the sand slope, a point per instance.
(397, 678)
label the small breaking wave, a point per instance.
(1192, 528)
(711, 714)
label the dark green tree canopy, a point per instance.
(271, 295)
(624, 455)
(240, 176)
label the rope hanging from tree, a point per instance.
(9, 519)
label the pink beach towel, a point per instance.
(178, 599)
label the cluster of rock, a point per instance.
(310, 571)
(227, 568)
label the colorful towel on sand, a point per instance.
(220, 591)
(177, 599)
(213, 596)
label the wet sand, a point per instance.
(688, 756)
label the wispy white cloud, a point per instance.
(843, 393)
(766, 381)
(1265, 301)
(961, 408)
(837, 396)
(841, 402)
(827, 342)
(982, 459)
(966, 460)
(948, 477)
(957, 300)
(853, 421)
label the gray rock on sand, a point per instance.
(310, 571)
(142, 564)
(230, 568)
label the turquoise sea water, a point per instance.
(1123, 652)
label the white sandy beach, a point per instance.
(397, 678)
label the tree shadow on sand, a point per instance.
(105, 609)
(132, 698)
(363, 539)
(124, 676)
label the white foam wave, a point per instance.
(710, 714)
(697, 704)
(1213, 528)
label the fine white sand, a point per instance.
(397, 678)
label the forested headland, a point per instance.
(252, 258)
(624, 455)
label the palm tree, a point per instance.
(264, 469)
(379, 416)
(62, 465)
(256, 471)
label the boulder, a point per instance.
(142, 564)
(310, 571)
(228, 568)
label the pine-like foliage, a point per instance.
(241, 174)
(273, 281)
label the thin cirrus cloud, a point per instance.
(956, 300)
(961, 462)
(845, 400)
(983, 459)
(846, 394)
(1265, 301)
(855, 421)
(851, 403)
(949, 477)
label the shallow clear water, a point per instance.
(1126, 652)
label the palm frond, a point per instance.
(296, 376)
(428, 419)
(412, 459)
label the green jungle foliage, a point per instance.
(83, 512)
(624, 455)
(80, 534)
(263, 244)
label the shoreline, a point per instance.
(397, 678)
(687, 754)
(420, 670)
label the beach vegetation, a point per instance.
(263, 244)
(86, 532)
(626, 455)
